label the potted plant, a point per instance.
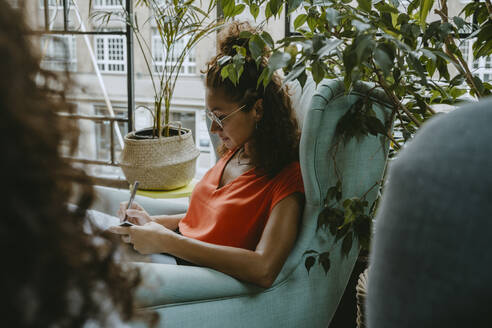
(415, 60)
(163, 157)
(412, 52)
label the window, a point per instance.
(108, 3)
(159, 55)
(59, 52)
(111, 53)
(482, 66)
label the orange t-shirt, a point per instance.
(236, 214)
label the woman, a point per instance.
(53, 273)
(244, 214)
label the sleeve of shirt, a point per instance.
(288, 182)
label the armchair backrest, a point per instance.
(359, 164)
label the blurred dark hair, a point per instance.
(275, 142)
(53, 273)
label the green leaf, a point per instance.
(332, 16)
(484, 50)
(402, 19)
(360, 26)
(456, 92)
(263, 77)
(346, 203)
(293, 5)
(364, 47)
(347, 244)
(302, 78)
(240, 52)
(324, 260)
(300, 20)
(295, 73)
(224, 73)
(385, 8)
(365, 5)
(331, 193)
(310, 260)
(328, 46)
(375, 126)
(254, 9)
(341, 232)
(274, 6)
(457, 80)
(429, 54)
(228, 7)
(232, 73)
(238, 9)
(278, 60)
(318, 72)
(442, 67)
(459, 22)
(256, 46)
(267, 38)
(425, 7)
(383, 60)
(312, 22)
(412, 6)
(268, 11)
(245, 34)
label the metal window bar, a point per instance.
(130, 89)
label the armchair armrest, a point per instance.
(170, 284)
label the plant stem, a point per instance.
(489, 8)
(449, 43)
(393, 97)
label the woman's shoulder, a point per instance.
(292, 167)
(289, 171)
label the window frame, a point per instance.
(105, 63)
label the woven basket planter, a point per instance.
(361, 299)
(164, 163)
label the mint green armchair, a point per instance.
(187, 296)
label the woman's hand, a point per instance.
(150, 238)
(136, 213)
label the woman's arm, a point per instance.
(260, 266)
(138, 215)
(169, 221)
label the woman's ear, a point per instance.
(258, 107)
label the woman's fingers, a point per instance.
(123, 231)
(137, 216)
(119, 230)
(123, 207)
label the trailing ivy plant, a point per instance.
(397, 48)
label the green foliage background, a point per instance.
(398, 48)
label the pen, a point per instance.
(132, 196)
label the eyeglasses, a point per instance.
(220, 122)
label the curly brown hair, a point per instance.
(54, 274)
(275, 142)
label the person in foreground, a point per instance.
(245, 212)
(431, 264)
(53, 274)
